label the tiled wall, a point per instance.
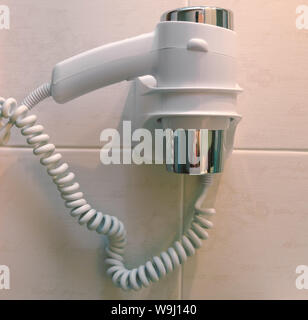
(261, 226)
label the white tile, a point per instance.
(51, 257)
(45, 33)
(260, 230)
(273, 71)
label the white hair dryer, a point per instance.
(185, 77)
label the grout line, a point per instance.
(58, 148)
(182, 189)
(304, 150)
(97, 148)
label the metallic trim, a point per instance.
(204, 14)
(194, 151)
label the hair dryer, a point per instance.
(185, 78)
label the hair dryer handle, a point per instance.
(102, 66)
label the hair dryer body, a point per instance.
(192, 86)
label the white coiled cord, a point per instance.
(136, 278)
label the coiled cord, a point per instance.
(110, 226)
